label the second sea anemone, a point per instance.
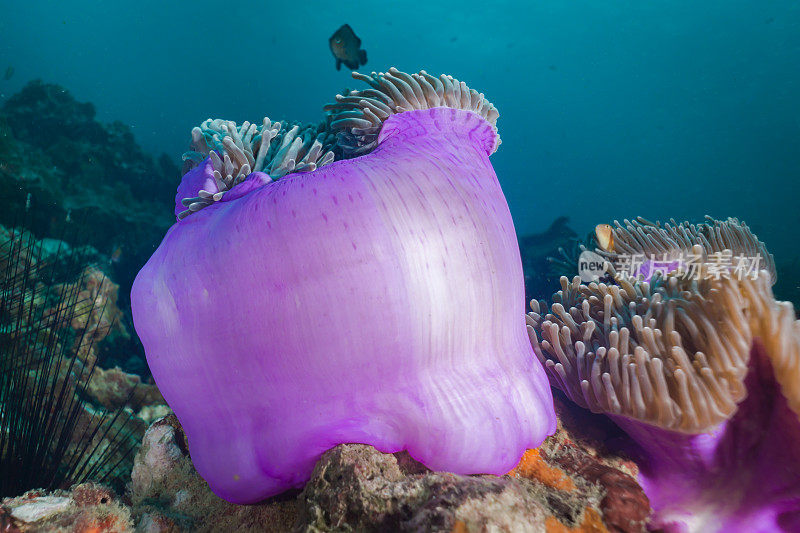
(703, 372)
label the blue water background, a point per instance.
(608, 109)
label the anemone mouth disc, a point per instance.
(351, 128)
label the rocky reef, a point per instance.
(64, 418)
(572, 483)
(116, 195)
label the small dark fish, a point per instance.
(9, 73)
(116, 255)
(346, 48)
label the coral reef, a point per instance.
(113, 388)
(54, 429)
(376, 300)
(115, 195)
(697, 368)
(674, 391)
(96, 315)
(371, 491)
(167, 494)
(46, 437)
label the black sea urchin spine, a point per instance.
(48, 437)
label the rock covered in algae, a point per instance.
(168, 494)
(86, 507)
(569, 484)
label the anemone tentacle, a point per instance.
(350, 129)
(671, 352)
(701, 369)
(275, 148)
(359, 116)
(640, 236)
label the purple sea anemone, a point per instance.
(702, 371)
(376, 300)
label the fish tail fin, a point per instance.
(362, 54)
(338, 64)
